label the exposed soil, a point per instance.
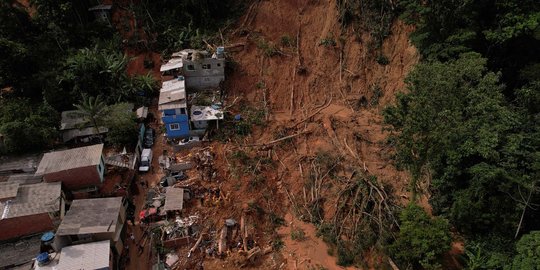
(345, 76)
(345, 127)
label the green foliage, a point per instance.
(26, 126)
(297, 234)
(422, 239)
(268, 48)
(374, 16)
(288, 41)
(277, 244)
(382, 60)
(528, 252)
(455, 123)
(328, 41)
(93, 110)
(122, 125)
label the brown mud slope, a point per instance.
(344, 77)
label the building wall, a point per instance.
(26, 225)
(198, 77)
(76, 178)
(183, 123)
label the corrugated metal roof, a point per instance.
(173, 63)
(8, 190)
(33, 199)
(72, 119)
(172, 91)
(85, 256)
(174, 199)
(20, 164)
(70, 159)
(89, 216)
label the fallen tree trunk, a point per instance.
(222, 245)
(243, 231)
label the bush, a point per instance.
(422, 239)
(298, 234)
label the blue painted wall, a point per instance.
(181, 120)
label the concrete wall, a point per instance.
(21, 226)
(76, 178)
(198, 77)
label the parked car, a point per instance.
(149, 136)
(167, 181)
(146, 160)
(189, 140)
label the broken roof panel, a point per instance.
(89, 216)
(85, 256)
(70, 159)
(20, 252)
(205, 113)
(173, 63)
(33, 199)
(174, 199)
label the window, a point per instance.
(191, 67)
(206, 66)
(174, 126)
(182, 111)
(219, 64)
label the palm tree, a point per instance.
(93, 110)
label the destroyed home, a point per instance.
(76, 168)
(91, 220)
(75, 128)
(95, 255)
(29, 209)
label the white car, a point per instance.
(146, 160)
(189, 140)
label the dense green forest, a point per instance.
(468, 125)
(51, 60)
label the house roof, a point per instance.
(71, 134)
(90, 216)
(173, 63)
(70, 159)
(172, 95)
(19, 164)
(174, 199)
(33, 199)
(85, 256)
(205, 113)
(25, 179)
(20, 252)
(8, 190)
